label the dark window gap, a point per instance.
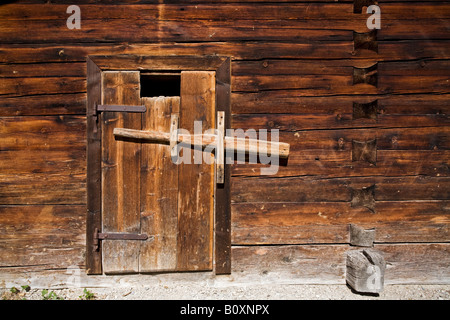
(161, 83)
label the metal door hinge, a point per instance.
(117, 236)
(120, 108)
(117, 108)
(113, 108)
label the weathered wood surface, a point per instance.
(42, 236)
(292, 70)
(361, 237)
(387, 50)
(327, 222)
(159, 190)
(120, 178)
(94, 169)
(196, 181)
(365, 270)
(299, 189)
(429, 263)
(306, 264)
(46, 154)
(232, 144)
(214, 22)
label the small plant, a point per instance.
(50, 295)
(87, 295)
(26, 288)
(16, 294)
(14, 290)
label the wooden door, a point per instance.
(144, 192)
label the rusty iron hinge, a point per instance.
(119, 108)
(117, 236)
(114, 108)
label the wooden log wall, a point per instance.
(302, 67)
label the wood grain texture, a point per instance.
(93, 168)
(42, 236)
(196, 181)
(120, 168)
(222, 245)
(57, 167)
(248, 50)
(327, 222)
(159, 190)
(218, 22)
(315, 264)
(292, 65)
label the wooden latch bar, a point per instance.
(117, 236)
(243, 145)
(119, 108)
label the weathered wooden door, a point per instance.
(144, 191)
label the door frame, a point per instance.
(96, 64)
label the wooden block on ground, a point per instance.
(365, 270)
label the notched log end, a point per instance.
(365, 40)
(365, 110)
(364, 197)
(361, 237)
(365, 151)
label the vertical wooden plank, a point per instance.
(220, 151)
(222, 232)
(159, 190)
(93, 218)
(120, 173)
(196, 181)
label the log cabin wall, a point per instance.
(365, 112)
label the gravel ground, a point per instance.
(267, 292)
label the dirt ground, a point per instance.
(201, 292)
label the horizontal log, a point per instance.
(342, 67)
(236, 11)
(76, 69)
(336, 120)
(316, 189)
(325, 264)
(285, 102)
(47, 236)
(140, 30)
(152, 12)
(313, 85)
(44, 105)
(207, 1)
(335, 164)
(400, 50)
(420, 138)
(328, 222)
(42, 85)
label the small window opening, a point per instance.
(160, 84)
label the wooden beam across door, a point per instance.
(235, 144)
